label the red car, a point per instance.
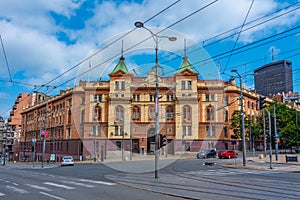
(228, 154)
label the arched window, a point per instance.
(187, 110)
(151, 112)
(97, 113)
(226, 116)
(136, 114)
(210, 113)
(119, 113)
(170, 112)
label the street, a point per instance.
(182, 179)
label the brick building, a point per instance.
(101, 115)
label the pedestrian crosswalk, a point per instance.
(227, 172)
(47, 187)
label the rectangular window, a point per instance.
(116, 130)
(212, 97)
(151, 97)
(95, 98)
(123, 85)
(183, 85)
(117, 85)
(82, 116)
(82, 101)
(94, 130)
(213, 131)
(206, 97)
(82, 131)
(189, 85)
(189, 130)
(100, 98)
(225, 131)
(99, 130)
(225, 100)
(184, 131)
(207, 131)
(136, 97)
(168, 98)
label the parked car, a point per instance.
(207, 154)
(228, 154)
(67, 160)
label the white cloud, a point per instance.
(28, 31)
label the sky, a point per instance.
(59, 42)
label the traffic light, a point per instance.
(163, 140)
(262, 102)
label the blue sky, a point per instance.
(44, 39)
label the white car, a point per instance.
(67, 160)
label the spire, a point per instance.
(121, 64)
(185, 64)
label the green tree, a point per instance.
(235, 124)
(286, 123)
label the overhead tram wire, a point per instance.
(238, 36)
(5, 57)
(268, 20)
(257, 19)
(144, 39)
(114, 41)
(173, 24)
(163, 10)
(221, 55)
(75, 66)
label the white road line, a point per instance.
(1, 194)
(79, 184)
(15, 183)
(98, 182)
(39, 187)
(59, 185)
(53, 196)
(15, 189)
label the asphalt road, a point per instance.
(181, 179)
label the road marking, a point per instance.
(59, 185)
(15, 183)
(53, 196)
(98, 182)
(15, 189)
(79, 184)
(39, 187)
(1, 194)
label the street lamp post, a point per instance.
(44, 136)
(243, 117)
(156, 39)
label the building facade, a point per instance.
(104, 116)
(273, 78)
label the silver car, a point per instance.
(67, 160)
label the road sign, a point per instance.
(277, 136)
(33, 140)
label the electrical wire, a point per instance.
(5, 57)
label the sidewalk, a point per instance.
(263, 163)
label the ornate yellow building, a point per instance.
(102, 115)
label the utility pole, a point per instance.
(270, 136)
(44, 139)
(130, 138)
(156, 40)
(265, 139)
(275, 133)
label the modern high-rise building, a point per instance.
(273, 78)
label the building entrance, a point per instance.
(151, 141)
